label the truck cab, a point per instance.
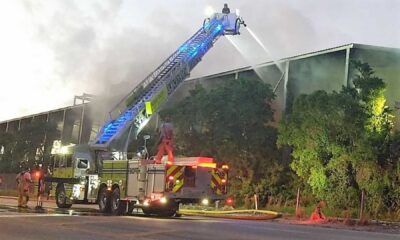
(73, 177)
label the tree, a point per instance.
(376, 175)
(324, 142)
(341, 142)
(7, 145)
(231, 124)
(33, 142)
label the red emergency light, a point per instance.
(229, 201)
(207, 164)
(205, 160)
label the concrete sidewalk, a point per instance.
(51, 203)
(232, 214)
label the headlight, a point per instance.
(163, 200)
(76, 191)
(205, 201)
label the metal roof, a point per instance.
(43, 113)
(300, 56)
(234, 71)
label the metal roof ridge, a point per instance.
(45, 112)
(296, 57)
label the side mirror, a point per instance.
(146, 137)
(140, 151)
(83, 164)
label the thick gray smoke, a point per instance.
(93, 52)
(106, 47)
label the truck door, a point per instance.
(189, 177)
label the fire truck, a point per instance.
(101, 171)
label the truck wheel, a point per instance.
(104, 200)
(167, 213)
(147, 211)
(169, 210)
(131, 206)
(118, 206)
(61, 198)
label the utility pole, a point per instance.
(297, 200)
(362, 205)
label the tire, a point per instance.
(104, 200)
(61, 198)
(118, 207)
(147, 211)
(131, 206)
(168, 211)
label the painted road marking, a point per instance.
(186, 218)
(16, 215)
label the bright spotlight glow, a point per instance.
(237, 12)
(163, 200)
(64, 150)
(205, 201)
(209, 11)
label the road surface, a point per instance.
(87, 223)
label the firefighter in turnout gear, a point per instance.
(39, 175)
(23, 180)
(166, 141)
(226, 9)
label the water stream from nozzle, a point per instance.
(257, 39)
(246, 56)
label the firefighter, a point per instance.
(48, 187)
(23, 179)
(226, 9)
(317, 215)
(39, 174)
(166, 141)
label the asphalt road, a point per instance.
(86, 223)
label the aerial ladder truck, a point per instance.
(101, 172)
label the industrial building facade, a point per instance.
(328, 70)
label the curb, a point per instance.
(263, 214)
(31, 198)
(8, 197)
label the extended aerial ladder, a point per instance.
(132, 113)
(95, 173)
